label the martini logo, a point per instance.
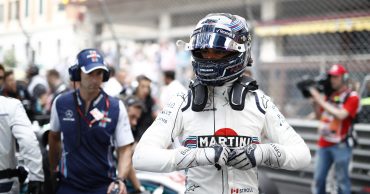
(223, 136)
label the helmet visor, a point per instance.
(213, 54)
(213, 40)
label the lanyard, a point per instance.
(90, 123)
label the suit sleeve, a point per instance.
(351, 104)
(28, 144)
(152, 153)
(277, 129)
(54, 119)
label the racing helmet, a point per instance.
(224, 33)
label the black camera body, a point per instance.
(321, 83)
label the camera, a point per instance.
(321, 83)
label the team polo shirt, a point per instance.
(87, 158)
(351, 105)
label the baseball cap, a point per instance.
(39, 90)
(90, 60)
(337, 70)
(134, 101)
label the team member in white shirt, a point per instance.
(15, 126)
(170, 88)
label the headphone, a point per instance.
(75, 70)
(345, 77)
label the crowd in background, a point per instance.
(136, 86)
(37, 93)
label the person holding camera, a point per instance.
(93, 124)
(336, 113)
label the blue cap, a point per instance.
(90, 60)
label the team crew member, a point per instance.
(221, 119)
(15, 126)
(93, 124)
(336, 116)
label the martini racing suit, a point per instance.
(218, 123)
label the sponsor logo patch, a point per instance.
(224, 136)
(192, 187)
(68, 116)
(241, 190)
(105, 120)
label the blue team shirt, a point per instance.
(87, 158)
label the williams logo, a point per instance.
(222, 136)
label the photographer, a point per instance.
(336, 113)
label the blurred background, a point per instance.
(291, 39)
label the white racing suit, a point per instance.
(218, 123)
(14, 124)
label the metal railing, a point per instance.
(359, 167)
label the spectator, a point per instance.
(55, 83)
(38, 84)
(40, 105)
(16, 127)
(336, 113)
(18, 90)
(172, 87)
(121, 77)
(93, 124)
(134, 108)
(112, 87)
(34, 79)
(143, 92)
(12, 88)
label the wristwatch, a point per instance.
(117, 179)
